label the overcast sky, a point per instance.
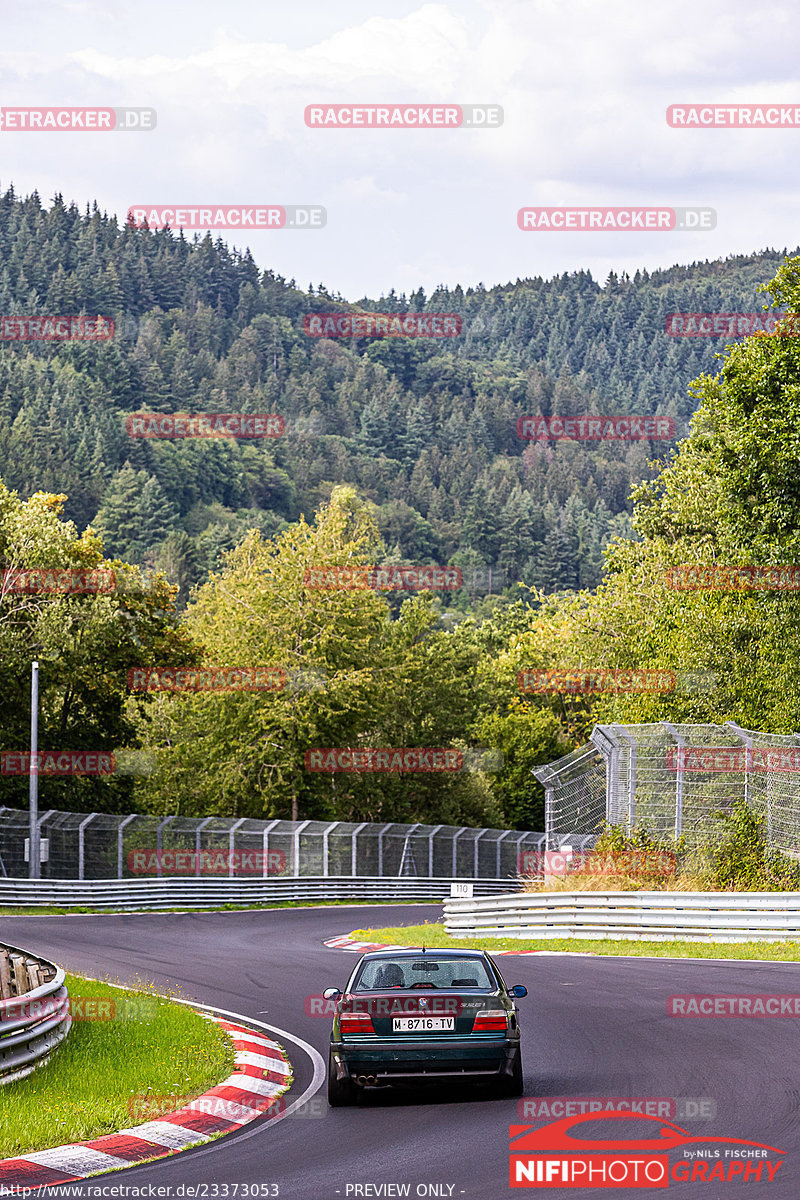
(584, 87)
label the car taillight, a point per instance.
(356, 1022)
(491, 1020)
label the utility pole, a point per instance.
(33, 777)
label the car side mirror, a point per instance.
(519, 990)
(331, 994)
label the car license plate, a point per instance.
(422, 1024)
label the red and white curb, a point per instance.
(345, 942)
(262, 1073)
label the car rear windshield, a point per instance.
(378, 974)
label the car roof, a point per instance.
(429, 953)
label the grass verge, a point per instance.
(433, 934)
(150, 1057)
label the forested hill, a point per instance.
(426, 429)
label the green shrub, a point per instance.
(740, 860)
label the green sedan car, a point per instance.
(422, 1016)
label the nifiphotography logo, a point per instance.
(577, 1152)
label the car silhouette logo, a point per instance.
(557, 1136)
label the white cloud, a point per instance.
(584, 87)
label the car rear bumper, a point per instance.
(383, 1063)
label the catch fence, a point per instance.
(674, 779)
(137, 846)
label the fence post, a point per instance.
(631, 774)
(499, 840)
(296, 846)
(81, 855)
(380, 845)
(200, 827)
(231, 843)
(408, 850)
(745, 737)
(431, 836)
(456, 836)
(681, 765)
(164, 823)
(477, 839)
(325, 833)
(120, 828)
(549, 820)
(265, 846)
(354, 848)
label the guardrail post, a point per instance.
(81, 856)
(120, 828)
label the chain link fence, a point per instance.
(673, 779)
(103, 846)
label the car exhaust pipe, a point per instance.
(367, 1080)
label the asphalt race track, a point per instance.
(591, 1027)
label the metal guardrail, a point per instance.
(34, 1012)
(212, 893)
(638, 916)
